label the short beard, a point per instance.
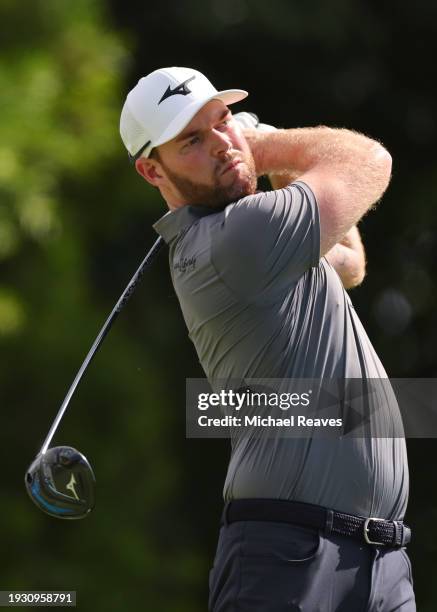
(215, 195)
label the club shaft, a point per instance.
(98, 341)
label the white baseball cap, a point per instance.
(162, 104)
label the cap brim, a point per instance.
(228, 96)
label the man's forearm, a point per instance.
(301, 149)
(347, 158)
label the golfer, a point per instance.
(309, 524)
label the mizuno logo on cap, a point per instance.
(181, 89)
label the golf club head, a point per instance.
(61, 483)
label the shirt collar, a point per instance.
(174, 221)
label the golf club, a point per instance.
(60, 480)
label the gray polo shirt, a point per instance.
(259, 302)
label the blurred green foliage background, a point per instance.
(75, 220)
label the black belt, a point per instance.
(376, 531)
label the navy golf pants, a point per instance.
(279, 567)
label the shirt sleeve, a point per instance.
(267, 241)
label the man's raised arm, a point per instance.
(347, 171)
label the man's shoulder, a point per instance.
(265, 209)
(296, 191)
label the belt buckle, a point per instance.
(366, 530)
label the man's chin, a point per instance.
(244, 185)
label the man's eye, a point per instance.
(191, 142)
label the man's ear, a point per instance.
(150, 170)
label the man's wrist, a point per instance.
(257, 143)
(264, 151)
(252, 128)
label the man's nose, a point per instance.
(220, 143)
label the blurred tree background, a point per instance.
(75, 220)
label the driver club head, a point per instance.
(61, 483)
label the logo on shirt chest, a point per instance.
(186, 264)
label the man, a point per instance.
(310, 524)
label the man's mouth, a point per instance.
(231, 165)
